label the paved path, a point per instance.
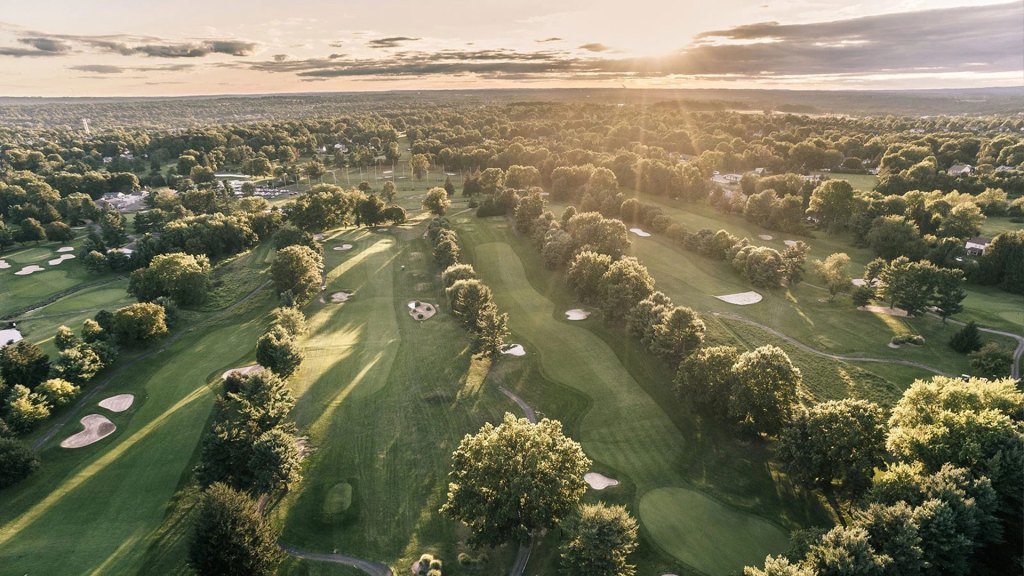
(1015, 367)
(807, 348)
(369, 566)
(523, 556)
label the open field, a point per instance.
(865, 182)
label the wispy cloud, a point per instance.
(45, 44)
(390, 41)
(595, 47)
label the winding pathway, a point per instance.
(1015, 367)
(523, 556)
(817, 352)
(370, 567)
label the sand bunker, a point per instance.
(513, 350)
(639, 232)
(318, 237)
(242, 371)
(118, 403)
(60, 259)
(789, 242)
(884, 310)
(859, 282)
(741, 298)
(766, 236)
(576, 314)
(599, 481)
(343, 247)
(340, 296)
(29, 270)
(421, 310)
(4, 265)
(63, 249)
(96, 428)
(9, 335)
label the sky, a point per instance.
(193, 47)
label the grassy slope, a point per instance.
(384, 399)
(626, 429)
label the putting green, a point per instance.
(705, 533)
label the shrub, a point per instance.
(967, 339)
(59, 392)
(17, 462)
(862, 295)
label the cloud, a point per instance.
(336, 44)
(595, 47)
(551, 39)
(25, 52)
(99, 68)
(390, 41)
(280, 57)
(47, 44)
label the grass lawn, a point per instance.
(385, 400)
(865, 182)
(97, 509)
(628, 422)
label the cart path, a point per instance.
(369, 566)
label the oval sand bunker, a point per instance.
(63, 249)
(342, 296)
(4, 265)
(60, 259)
(741, 298)
(599, 481)
(576, 314)
(118, 403)
(29, 270)
(343, 247)
(514, 350)
(421, 310)
(639, 232)
(96, 428)
(243, 371)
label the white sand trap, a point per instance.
(514, 350)
(766, 236)
(343, 247)
(60, 259)
(884, 310)
(96, 428)
(421, 310)
(789, 242)
(599, 481)
(576, 314)
(242, 371)
(859, 282)
(340, 296)
(894, 346)
(639, 232)
(118, 403)
(31, 268)
(4, 265)
(741, 298)
(318, 237)
(63, 249)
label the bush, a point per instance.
(17, 462)
(862, 295)
(58, 392)
(967, 339)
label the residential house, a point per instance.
(976, 246)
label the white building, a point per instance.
(977, 246)
(960, 170)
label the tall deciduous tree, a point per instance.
(834, 272)
(600, 541)
(623, 285)
(436, 201)
(298, 269)
(512, 479)
(278, 351)
(764, 390)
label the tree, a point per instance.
(59, 232)
(593, 232)
(278, 351)
(846, 552)
(26, 409)
(420, 164)
(467, 298)
(992, 361)
(706, 378)
(963, 221)
(1003, 262)
(834, 447)
(298, 269)
(289, 235)
(909, 285)
(966, 339)
(65, 338)
(834, 272)
(112, 228)
(79, 364)
(490, 331)
(387, 192)
(764, 390)
(58, 392)
(95, 262)
(140, 324)
(17, 462)
(623, 285)
(509, 480)
(679, 334)
(274, 462)
(369, 211)
(31, 231)
(436, 201)
(456, 272)
(529, 209)
(893, 236)
(949, 291)
(585, 273)
(893, 531)
(182, 277)
(832, 203)
(291, 319)
(779, 566)
(24, 363)
(230, 537)
(599, 542)
(448, 186)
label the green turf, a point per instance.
(864, 182)
(703, 532)
(95, 509)
(630, 428)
